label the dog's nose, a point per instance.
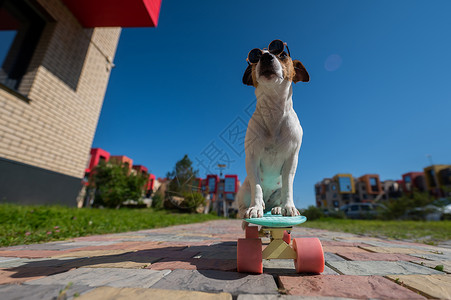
(266, 58)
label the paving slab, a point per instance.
(218, 281)
(379, 256)
(178, 238)
(432, 256)
(145, 294)
(396, 250)
(32, 253)
(278, 266)
(95, 238)
(90, 253)
(67, 262)
(286, 267)
(39, 292)
(22, 274)
(342, 243)
(194, 264)
(285, 297)
(58, 246)
(379, 268)
(332, 257)
(224, 254)
(434, 264)
(14, 262)
(433, 286)
(341, 249)
(127, 260)
(361, 287)
(95, 277)
(130, 245)
(6, 259)
(165, 253)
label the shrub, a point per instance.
(192, 201)
(157, 200)
(114, 185)
(313, 213)
(398, 208)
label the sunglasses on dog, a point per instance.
(276, 47)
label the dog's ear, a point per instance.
(300, 73)
(247, 77)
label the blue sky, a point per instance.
(379, 99)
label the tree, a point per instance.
(182, 177)
(180, 193)
(114, 184)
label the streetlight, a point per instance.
(224, 204)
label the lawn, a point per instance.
(36, 224)
(419, 231)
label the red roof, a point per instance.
(115, 13)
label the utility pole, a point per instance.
(224, 204)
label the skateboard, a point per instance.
(307, 253)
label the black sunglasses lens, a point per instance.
(276, 47)
(254, 55)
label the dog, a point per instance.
(274, 133)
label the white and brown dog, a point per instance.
(274, 134)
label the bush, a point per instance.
(398, 208)
(192, 201)
(114, 185)
(313, 213)
(337, 214)
(157, 200)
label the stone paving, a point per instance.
(198, 261)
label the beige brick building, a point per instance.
(52, 85)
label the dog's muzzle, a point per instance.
(267, 65)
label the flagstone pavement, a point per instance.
(198, 261)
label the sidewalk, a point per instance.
(198, 261)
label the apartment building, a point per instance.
(56, 58)
(344, 189)
(438, 180)
(221, 192)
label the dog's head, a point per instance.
(272, 68)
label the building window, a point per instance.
(345, 184)
(373, 184)
(317, 190)
(21, 27)
(431, 176)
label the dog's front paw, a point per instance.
(290, 211)
(254, 212)
(276, 210)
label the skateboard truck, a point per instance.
(307, 253)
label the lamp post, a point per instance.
(224, 204)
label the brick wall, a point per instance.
(66, 83)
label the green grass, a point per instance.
(420, 231)
(36, 224)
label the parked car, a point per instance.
(362, 210)
(438, 210)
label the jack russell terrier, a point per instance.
(274, 134)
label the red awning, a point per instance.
(115, 13)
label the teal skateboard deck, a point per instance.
(270, 220)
